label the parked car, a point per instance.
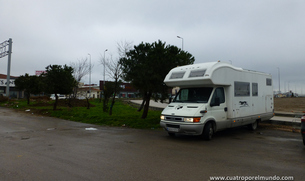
(60, 96)
(303, 128)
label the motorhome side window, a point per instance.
(194, 95)
(269, 82)
(219, 93)
(254, 89)
(241, 89)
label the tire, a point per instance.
(208, 131)
(253, 126)
(171, 134)
(304, 141)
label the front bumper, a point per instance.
(187, 129)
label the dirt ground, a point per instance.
(294, 104)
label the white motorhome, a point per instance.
(214, 96)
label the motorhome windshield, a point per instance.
(194, 95)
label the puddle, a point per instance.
(90, 129)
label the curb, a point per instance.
(287, 123)
(288, 114)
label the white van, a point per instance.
(214, 96)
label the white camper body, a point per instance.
(215, 96)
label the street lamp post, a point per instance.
(182, 41)
(279, 79)
(89, 77)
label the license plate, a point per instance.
(172, 129)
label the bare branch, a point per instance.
(81, 68)
(114, 70)
(123, 47)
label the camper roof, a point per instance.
(197, 74)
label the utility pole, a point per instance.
(182, 41)
(279, 80)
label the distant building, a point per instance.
(14, 93)
(84, 91)
(287, 94)
(126, 91)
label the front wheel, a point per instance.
(208, 131)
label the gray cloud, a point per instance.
(257, 34)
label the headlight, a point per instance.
(192, 120)
(162, 117)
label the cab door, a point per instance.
(218, 108)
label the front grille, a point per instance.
(173, 118)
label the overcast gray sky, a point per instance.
(262, 35)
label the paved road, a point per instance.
(41, 148)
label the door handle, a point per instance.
(225, 109)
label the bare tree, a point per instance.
(81, 68)
(114, 70)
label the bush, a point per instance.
(3, 99)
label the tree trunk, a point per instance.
(69, 101)
(142, 105)
(28, 98)
(55, 104)
(88, 104)
(105, 104)
(146, 107)
(112, 104)
(113, 98)
(75, 90)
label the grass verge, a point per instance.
(122, 114)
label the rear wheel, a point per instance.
(253, 126)
(208, 131)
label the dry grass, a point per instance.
(295, 104)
